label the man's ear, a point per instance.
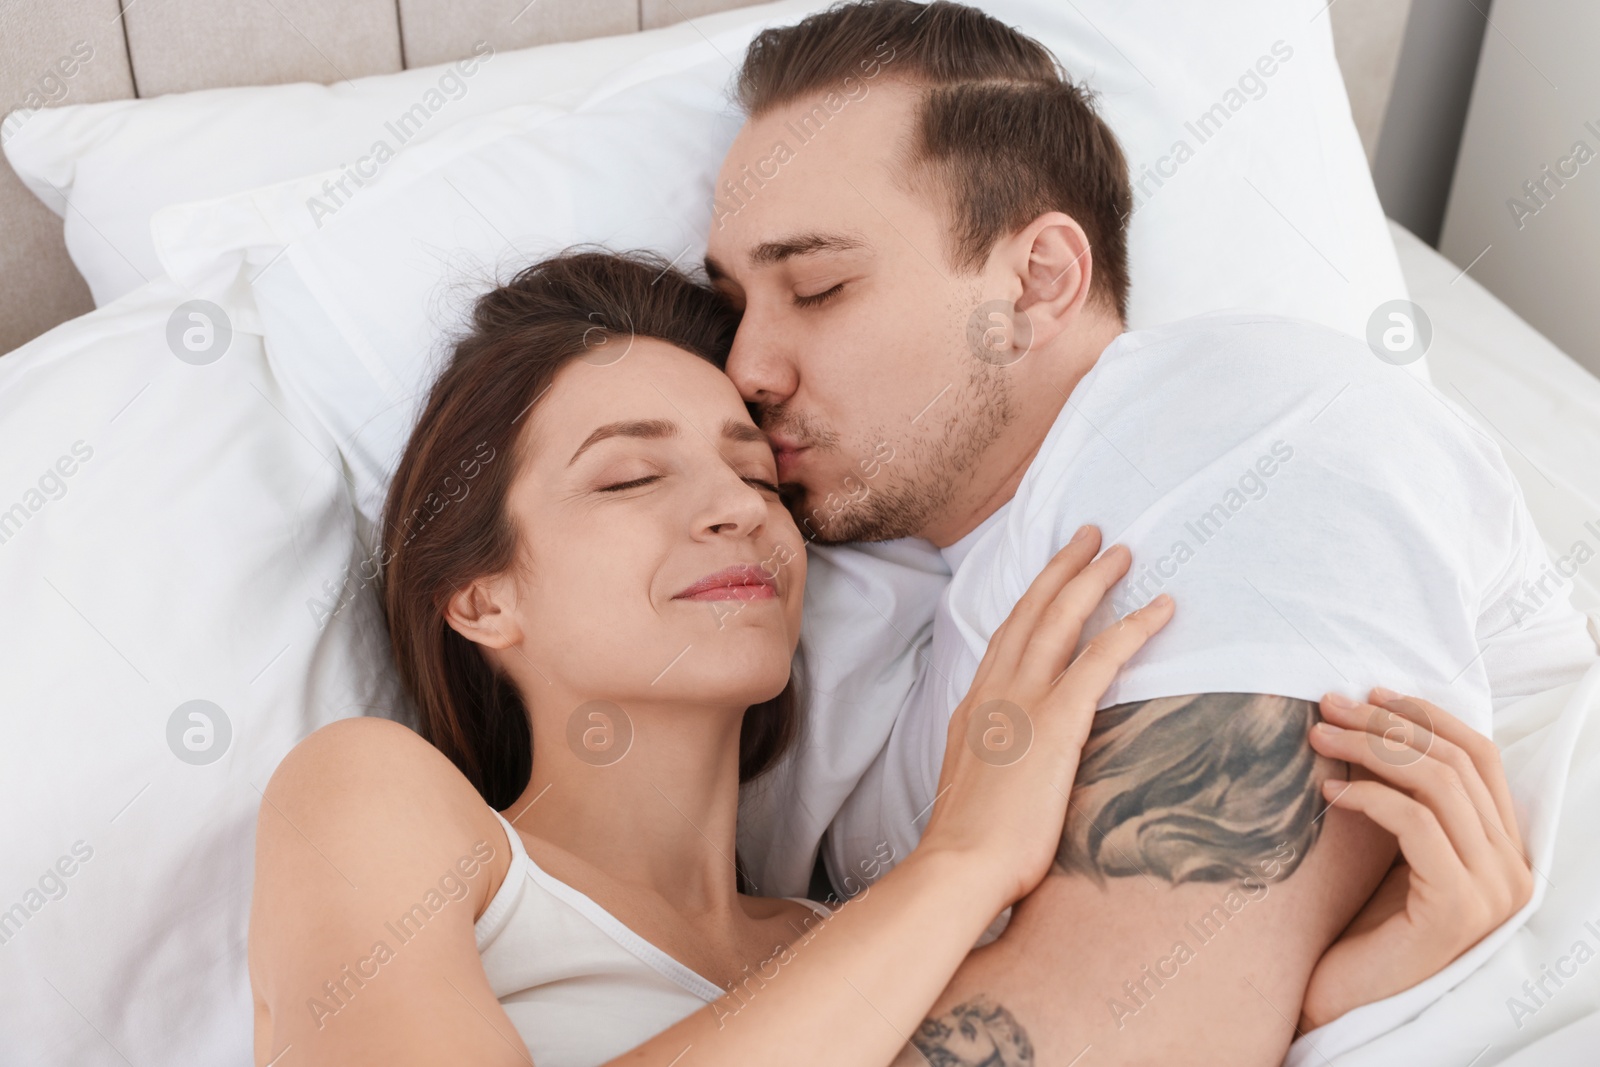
(1055, 273)
(483, 612)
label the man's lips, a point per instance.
(744, 581)
(786, 458)
(786, 452)
(782, 442)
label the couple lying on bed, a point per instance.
(594, 553)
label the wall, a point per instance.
(1525, 207)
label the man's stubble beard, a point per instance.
(917, 485)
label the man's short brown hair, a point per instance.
(1001, 126)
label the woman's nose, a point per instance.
(737, 508)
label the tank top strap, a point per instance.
(820, 910)
(504, 900)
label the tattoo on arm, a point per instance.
(1206, 788)
(977, 1033)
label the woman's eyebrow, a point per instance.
(732, 430)
(647, 428)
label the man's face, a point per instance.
(854, 343)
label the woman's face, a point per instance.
(656, 563)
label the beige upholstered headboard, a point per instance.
(143, 48)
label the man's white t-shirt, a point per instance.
(1323, 521)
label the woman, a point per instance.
(593, 595)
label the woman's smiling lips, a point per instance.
(744, 581)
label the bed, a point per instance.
(225, 305)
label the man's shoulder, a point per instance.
(1179, 413)
(1164, 401)
(1237, 340)
(1195, 386)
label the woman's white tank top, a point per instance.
(579, 986)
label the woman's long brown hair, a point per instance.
(445, 520)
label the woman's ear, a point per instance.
(483, 612)
(1056, 275)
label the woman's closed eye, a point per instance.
(633, 483)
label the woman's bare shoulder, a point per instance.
(370, 847)
(363, 745)
(375, 791)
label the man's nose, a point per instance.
(759, 366)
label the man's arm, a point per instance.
(1200, 877)
(1209, 788)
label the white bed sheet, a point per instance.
(1538, 402)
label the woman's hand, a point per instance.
(1438, 787)
(1013, 744)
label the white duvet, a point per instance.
(1544, 410)
(1540, 972)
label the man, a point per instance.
(934, 287)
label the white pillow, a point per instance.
(170, 531)
(116, 163)
(1274, 210)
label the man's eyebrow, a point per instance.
(769, 252)
(733, 430)
(800, 244)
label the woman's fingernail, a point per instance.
(1380, 693)
(1339, 700)
(1083, 531)
(1327, 729)
(1154, 604)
